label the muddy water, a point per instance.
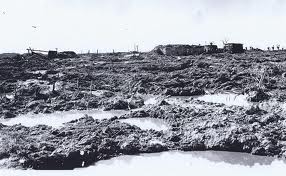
(173, 163)
(147, 123)
(151, 99)
(58, 118)
(229, 99)
(183, 101)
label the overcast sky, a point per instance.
(83, 25)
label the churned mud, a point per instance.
(224, 102)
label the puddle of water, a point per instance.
(32, 81)
(183, 101)
(227, 99)
(173, 163)
(151, 99)
(10, 96)
(148, 123)
(100, 62)
(39, 72)
(57, 119)
(174, 100)
(196, 163)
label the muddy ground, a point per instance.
(33, 83)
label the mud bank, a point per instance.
(78, 144)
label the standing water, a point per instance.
(227, 99)
(57, 119)
(204, 163)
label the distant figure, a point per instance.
(268, 48)
(273, 48)
(278, 47)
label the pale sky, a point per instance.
(83, 25)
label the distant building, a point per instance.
(179, 50)
(234, 47)
(52, 54)
(209, 49)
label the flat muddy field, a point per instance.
(76, 112)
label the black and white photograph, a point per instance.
(142, 87)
